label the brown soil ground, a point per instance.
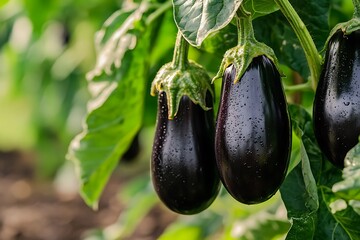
(31, 209)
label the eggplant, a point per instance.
(133, 151)
(336, 112)
(183, 166)
(253, 132)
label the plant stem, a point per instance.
(163, 8)
(356, 4)
(308, 45)
(180, 57)
(244, 27)
(299, 87)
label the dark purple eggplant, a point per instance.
(253, 132)
(133, 151)
(183, 166)
(337, 100)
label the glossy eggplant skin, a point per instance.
(253, 133)
(336, 111)
(183, 165)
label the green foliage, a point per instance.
(197, 19)
(349, 187)
(45, 49)
(44, 53)
(115, 111)
(199, 227)
(275, 31)
(259, 8)
(313, 209)
(316, 208)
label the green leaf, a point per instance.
(259, 8)
(3, 2)
(336, 222)
(303, 203)
(194, 227)
(221, 41)
(259, 226)
(115, 111)
(312, 203)
(275, 31)
(295, 196)
(349, 188)
(117, 36)
(295, 157)
(179, 232)
(355, 205)
(314, 210)
(197, 19)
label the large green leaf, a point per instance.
(336, 222)
(314, 210)
(196, 19)
(115, 111)
(349, 187)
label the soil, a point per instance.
(31, 209)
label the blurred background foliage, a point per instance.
(46, 49)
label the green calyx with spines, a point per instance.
(182, 77)
(246, 50)
(347, 27)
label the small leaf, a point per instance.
(179, 232)
(259, 226)
(303, 227)
(195, 227)
(259, 8)
(349, 188)
(197, 19)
